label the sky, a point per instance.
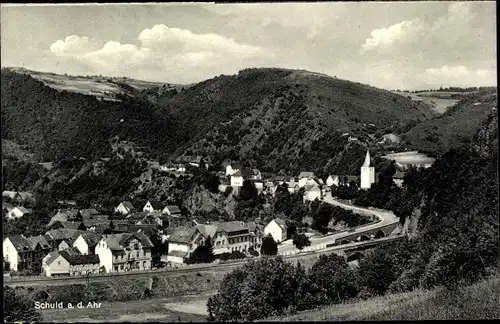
(390, 45)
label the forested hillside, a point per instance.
(289, 120)
(275, 119)
(456, 126)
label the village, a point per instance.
(84, 241)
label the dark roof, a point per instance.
(73, 225)
(236, 166)
(244, 172)
(8, 206)
(137, 216)
(306, 174)
(233, 226)
(156, 205)
(279, 178)
(128, 205)
(91, 238)
(20, 243)
(80, 259)
(24, 210)
(398, 175)
(38, 240)
(182, 234)
(52, 256)
(173, 209)
(63, 234)
(125, 237)
(207, 229)
(88, 212)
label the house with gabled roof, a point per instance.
(57, 236)
(233, 168)
(124, 252)
(18, 212)
(69, 263)
(86, 213)
(256, 234)
(125, 208)
(398, 178)
(63, 215)
(25, 252)
(277, 229)
(312, 192)
(306, 176)
(180, 244)
(232, 236)
(152, 206)
(86, 242)
(74, 225)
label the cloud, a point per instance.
(72, 45)
(161, 49)
(163, 37)
(459, 75)
(387, 36)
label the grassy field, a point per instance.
(439, 102)
(479, 301)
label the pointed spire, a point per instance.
(367, 159)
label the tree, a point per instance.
(201, 255)
(300, 241)
(248, 191)
(376, 271)
(332, 273)
(18, 308)
(211, 182)
(210, 248)
(321, 218)
(269, 246)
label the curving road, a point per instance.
(385, 217)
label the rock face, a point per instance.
(200, 200)
(486, 140)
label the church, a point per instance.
(367, 172)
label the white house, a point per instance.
(18, 212)
(312, 193)
(171, 210)
(259, 185)
(304, 177)
(152, 206)
(277, 229)
(398, 178)
(240, 176)
(86, 242)
(180, 244)
(256, 175)
(332, 180)
(367, 173)
(125, 208)
(232, 169)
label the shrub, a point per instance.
(18, 308)
(300, 241)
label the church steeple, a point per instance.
(367, 159)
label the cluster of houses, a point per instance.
(86, 241)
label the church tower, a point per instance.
(367, 173)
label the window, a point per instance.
(137, 254)
(136, 246)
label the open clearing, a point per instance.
(439, 102)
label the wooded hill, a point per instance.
(273, 118)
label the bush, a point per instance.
(18, 308)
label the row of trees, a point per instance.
(273, 287)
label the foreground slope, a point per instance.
(479, 301)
